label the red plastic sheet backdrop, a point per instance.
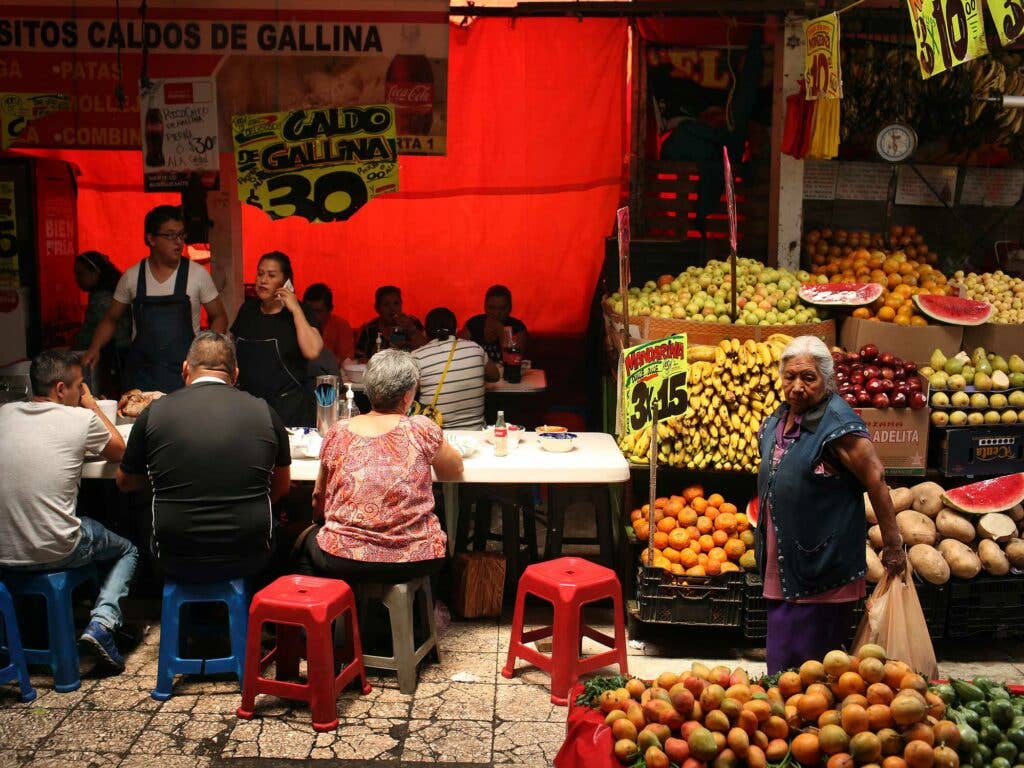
(537, 138)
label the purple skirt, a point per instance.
(798, 632)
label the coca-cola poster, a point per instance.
(320, 164)
(179, 133)
(285, 56)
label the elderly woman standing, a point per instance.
(817, 459)
(374, 493)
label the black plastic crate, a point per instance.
(755, 611)
(704, 601)
(986, 604)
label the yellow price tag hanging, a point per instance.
(822, 75)
(1008, 16)
(947, 33)
(654, 371)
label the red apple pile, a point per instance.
(873, 379)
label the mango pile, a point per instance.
(696, 536)
(730, 394)
(841, 712)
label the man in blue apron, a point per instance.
(165, 292)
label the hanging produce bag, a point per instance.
(894, 620)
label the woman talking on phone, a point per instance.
(276, 339)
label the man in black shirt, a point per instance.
(488, 330)
(217, 457)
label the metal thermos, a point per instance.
(326, 394)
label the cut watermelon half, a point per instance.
(953, 309)
(840, 294)
(754, 511)
(994, 495)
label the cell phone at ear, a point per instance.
(288, 284)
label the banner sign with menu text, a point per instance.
(179, 128)
(10, 276)
(265, 57)
(1008, 16)
(17, 109)
(319, 164)
(822, 73)
(654, 369)
(947, 33)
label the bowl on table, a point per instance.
(515, 433)
(557, 442)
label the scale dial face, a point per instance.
(896, 142)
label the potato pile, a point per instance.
(945, 543)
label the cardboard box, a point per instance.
(999, 338)
(900, 436)
(914, 343)
(980, 451)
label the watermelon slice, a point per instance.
(994, 495)
(953, 309)
(753, 511)
(840, 294)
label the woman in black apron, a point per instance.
(275, 339)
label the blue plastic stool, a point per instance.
(56, 587)
(10, 641)
(176, 594)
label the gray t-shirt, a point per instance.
(41, 453)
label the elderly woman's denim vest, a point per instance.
(818, 517)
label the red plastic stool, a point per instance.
(312, 603)
(568, 583)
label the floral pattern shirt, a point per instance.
(378, 498)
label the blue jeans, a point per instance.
(98, 545)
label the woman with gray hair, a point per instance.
(817, 460)
(373, 496)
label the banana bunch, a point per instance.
(729, 398)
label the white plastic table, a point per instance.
(596, 458)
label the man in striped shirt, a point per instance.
(461, 401)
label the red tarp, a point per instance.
(537, 142)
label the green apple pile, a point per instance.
(1002, 291)
(976, 389)
(765, 296)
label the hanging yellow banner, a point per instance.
(1008, 16)
(823, 77)
(320, 164)
(947, 33)
(17, 109)
(654, 371)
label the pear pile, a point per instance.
(976, 389)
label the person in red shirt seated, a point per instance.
(336, 332)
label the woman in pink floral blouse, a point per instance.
(374, 494)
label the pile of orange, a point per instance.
(903, 269)
(694, 535)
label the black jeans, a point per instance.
(313, 561)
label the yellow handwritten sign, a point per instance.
(947, 33)
(321, 164)
(1008, 16)
(17, 109)
(654, 371)
(822, 74)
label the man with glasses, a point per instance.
(165, 293)
(216, 457)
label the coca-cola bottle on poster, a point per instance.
(409, 85)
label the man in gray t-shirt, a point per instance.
(43, 447)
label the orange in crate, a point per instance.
(687, 516)
(706, 543)
(699, 504)
(692, 492)
(716, 500)
(660, 540)
(719, 537)
(704, 524)
(679, 539)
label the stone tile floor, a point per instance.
(483, 720)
